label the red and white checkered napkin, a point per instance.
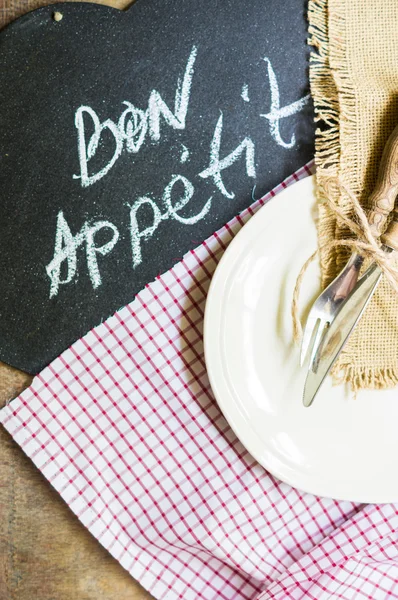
(125, 427)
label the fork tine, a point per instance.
(312, 338)
(317, 337)
(331, 298)
(307, 337)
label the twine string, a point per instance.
(365, 243)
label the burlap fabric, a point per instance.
(354, 83)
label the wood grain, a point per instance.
(45, 553)
(12, 9)
(382, 200)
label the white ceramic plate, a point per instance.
(340, 447)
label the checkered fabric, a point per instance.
(125, 427)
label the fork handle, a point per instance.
(382, 200)
(390, 237)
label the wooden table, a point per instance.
(45, 553)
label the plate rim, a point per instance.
(246, 440)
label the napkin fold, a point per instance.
(354, 84)
(125, 427)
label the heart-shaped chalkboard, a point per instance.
(126, 139)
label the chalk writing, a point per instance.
(66, 246)
(133, 125)
(172, 212)
(184, 154)
(157, 107)
(65, 249)
(145, 215)
(276, 113)
(245, 93)
(217, 165)
(135, 129)
(87, 151)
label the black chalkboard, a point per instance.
(127, 138)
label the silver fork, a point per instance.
(327, 305)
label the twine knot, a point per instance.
(365, 242)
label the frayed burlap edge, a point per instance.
(335, 114)
(334, 103)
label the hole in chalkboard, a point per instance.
(58, 16)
